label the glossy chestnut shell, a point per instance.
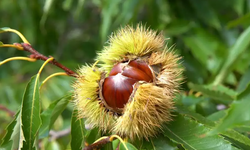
(119, 85)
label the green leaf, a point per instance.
(163, 143)
(53, 145)
(210, 17)
(1, 43)
(30, 113)
(237, 138)
(50, 115)
(179, 27)
(115, 144)
(234, 136)
(216, 92)
(237, 115)
(46, 9)
(245, 93)
(217, 116)
(129, 146)
(126, 12)
(109, 10)
(244, 81)
(6, 141)
(77, 132)
(92, 135)
(60, 107)
(190, 134)
(234, 53)
(28, 120)
(17, 136)
(239, 21)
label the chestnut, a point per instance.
(119, 85)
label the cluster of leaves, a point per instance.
(213, 36)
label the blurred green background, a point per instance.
(203, 31)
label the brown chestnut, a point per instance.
(118, 86)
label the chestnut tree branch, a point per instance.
(36, 55)
(98, 144)
(3, 108)
(58, 134)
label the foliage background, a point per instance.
(72, 31)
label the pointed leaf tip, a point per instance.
(4, 29)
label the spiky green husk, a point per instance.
(151, 103)
(146, 113)
(129, 43)
(87, 101)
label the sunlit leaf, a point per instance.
(190, 134)
(1, 43)
(234, 53)
(31, 113)
(53, 145)
(115, 144)
(237, 114)
(17, 136)
(77, 132)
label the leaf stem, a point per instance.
(53, 75)
(18, 33)
(17, 58)
(12, 45)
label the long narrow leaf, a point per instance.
(51, 113)
(77, 132)
(31, 113)
(238, 48)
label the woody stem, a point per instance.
(36, 55)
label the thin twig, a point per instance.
(35, 54)
(3, 108)
(98, 144)
(58, 134)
